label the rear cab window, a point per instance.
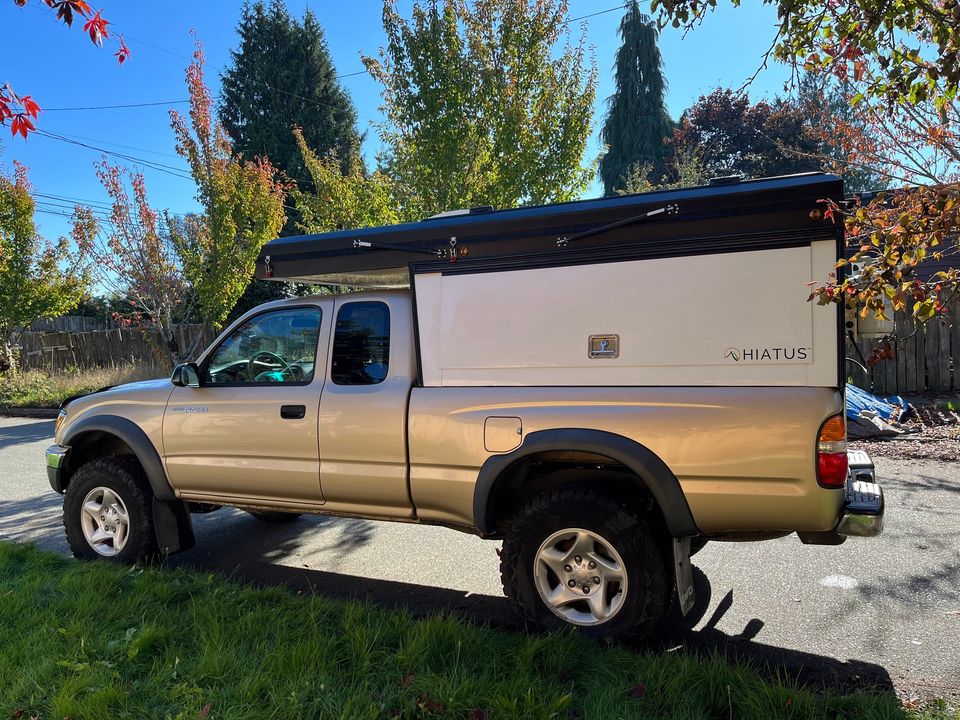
(361, 344)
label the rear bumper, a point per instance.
(863, 499)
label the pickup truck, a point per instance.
(604, 408)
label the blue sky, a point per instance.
(61, 68)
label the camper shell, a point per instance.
(699, 286)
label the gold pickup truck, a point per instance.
(605, 385)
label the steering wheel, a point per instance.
(268, 354)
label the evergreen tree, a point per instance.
(637, 123)
(282, 77)
(279, 78)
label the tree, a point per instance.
(37, 279)
(900, 51)
(827, 107)
(484, 104)
(916, 151)
(899, 65)
(637, 126)
(134, 259)
(242, 202)
(282, 77)
(22, 110)
(343, 199)
(728, 135)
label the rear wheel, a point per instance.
(107, 511)
(272, 516)
(576, 556)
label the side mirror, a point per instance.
(186, 375)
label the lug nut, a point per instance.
(572, 583)
(578, 559)
(567, 568)
(596, 580)
(586, 588)
(591, 564)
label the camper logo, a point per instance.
(767, 354)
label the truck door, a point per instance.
(363, 413)
(250, 430)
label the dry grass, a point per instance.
(41, 389)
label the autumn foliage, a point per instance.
(242, 202)
(20, 111)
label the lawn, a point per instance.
(41, 389)
(96, 640)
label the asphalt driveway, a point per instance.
(882, 612)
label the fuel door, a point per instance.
(502, 434)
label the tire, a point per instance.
(125, 524)
(697, 544)
(614, 535)
(272, 516)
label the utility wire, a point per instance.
(152, 164)
(285, 92)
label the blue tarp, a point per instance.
(890, 408)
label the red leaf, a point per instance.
(477, 714)
(21, 124)
(65, 13)
(21, 3)
(204, 711)
(429, 705)
(638, 691)
(96, 28)
(408, 678)
(18, 713)
(29, 106)
(123, 53)
(81, 6)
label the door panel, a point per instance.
(363, 413)
(250, 438)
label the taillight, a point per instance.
(832, 453)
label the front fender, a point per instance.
(134, 437)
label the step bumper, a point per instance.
(863, 504)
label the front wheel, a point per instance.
(107, 511)
(576, 556)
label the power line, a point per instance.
(152, 164)
(116, 107)
(285, 92)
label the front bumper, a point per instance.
(863, 498)
(57, 456)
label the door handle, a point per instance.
(293, 412)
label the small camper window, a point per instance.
(361, 344)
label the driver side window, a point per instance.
(278, 347)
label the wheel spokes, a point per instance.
(610, 570)
(561, 595)
(93, 510)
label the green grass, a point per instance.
(96, 640)
(41, 389)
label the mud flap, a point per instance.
(683, 571)
(173, 526)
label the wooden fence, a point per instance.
(71, 323)
(56, 351)
(925, 358)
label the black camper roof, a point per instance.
(724, 216)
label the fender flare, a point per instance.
(136, 439)
(652, 471)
